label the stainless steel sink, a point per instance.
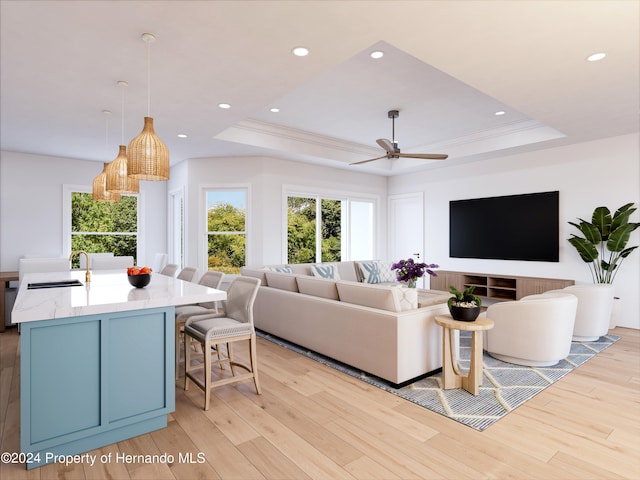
(58, 284)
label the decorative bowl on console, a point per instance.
(464, 306)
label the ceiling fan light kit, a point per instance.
(393, 151)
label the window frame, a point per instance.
(203, 231)
(68, 189)
(345, 234)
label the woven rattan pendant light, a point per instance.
(99, 191)
(117, 179)
(148, 155)
(99, 188)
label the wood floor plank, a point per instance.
(280, 392)
(310, 460)
(379, 450)
(108, 468)
(365, 468)
(376, 405)
(188, 462)
(313, 422)
(270, 461)
(312, 432)
(223, 456)
(574, 468)
(135, 453)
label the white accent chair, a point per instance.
(593, 316)
(111, 263)
(42, 264)
(159, 262)
(83, 261)
(535, 330)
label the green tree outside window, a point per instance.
(226, 227)
(98, 227)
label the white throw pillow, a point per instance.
(326, 270)
(376, 272)
(408, 298)
(281, 269)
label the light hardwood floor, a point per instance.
(314, 423)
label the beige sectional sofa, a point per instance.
(368, 326)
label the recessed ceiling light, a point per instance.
(596, 56)
(274, 110)
(300, 51)
(224, 105)
(377, 54)
(182, 135)
(500, 112)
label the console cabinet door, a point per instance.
(445, 279)
(534, 286)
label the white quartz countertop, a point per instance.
(108, 291)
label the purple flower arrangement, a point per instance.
(409, 271)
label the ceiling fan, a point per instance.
(392, 149)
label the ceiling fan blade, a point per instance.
(386, 144)
(370, 160)
(424, 156)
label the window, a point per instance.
(103, 226)
(328, 229)
(226, 229)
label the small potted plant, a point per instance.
(465, 305)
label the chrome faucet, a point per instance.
(78, 252)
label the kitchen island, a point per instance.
(97, 360)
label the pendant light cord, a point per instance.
(106, 130)
(149, 77)
(122, 85)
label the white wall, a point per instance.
(31, 206)
(604, 172)
(266, 178)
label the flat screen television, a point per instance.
(512, 227)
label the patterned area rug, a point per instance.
(505, 386)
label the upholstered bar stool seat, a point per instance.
(211, 331)
(169, 269)
(187, 274)
(210, 279)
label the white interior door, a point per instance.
(406, 227)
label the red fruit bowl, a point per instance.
(139, 281)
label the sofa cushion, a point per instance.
(325, 270)
(367, 295)
(281, 269)
(254, 272)
(376, 271)
(318, 287)
(282, 281)
(408, 298)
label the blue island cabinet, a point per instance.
(94, 380)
